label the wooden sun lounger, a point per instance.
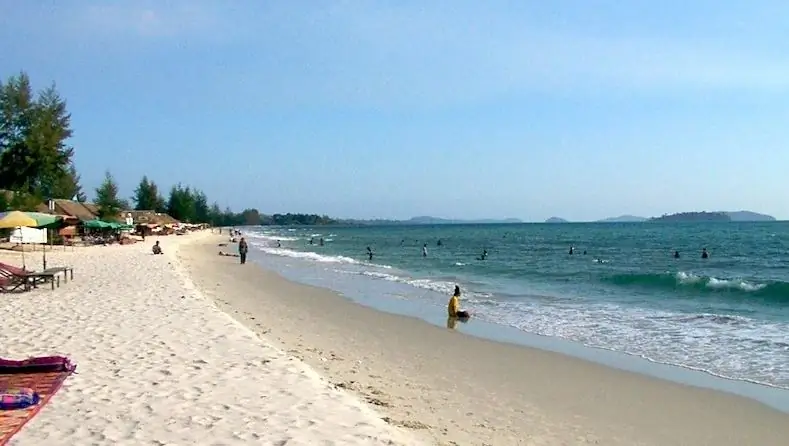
(68, 272)
(33, 278)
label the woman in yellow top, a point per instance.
(453, 309)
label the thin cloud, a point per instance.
(149, 19)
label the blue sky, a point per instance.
(468, 109)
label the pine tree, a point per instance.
(34, 157)
(146, 196)
(107, 199)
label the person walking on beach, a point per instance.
(242, 250)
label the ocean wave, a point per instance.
(315, 257)
(444, 287)
(307, 255)
(689, 281)
(273, 238)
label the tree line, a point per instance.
(36, 164)
(184, 203)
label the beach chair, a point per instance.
(33, 278)
(10, 283)
(68, 272)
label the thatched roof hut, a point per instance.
(75, 209)
(150, 218)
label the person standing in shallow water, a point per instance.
(453, 307)
(242, 250)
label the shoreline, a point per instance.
(471, 390)
(774, 396)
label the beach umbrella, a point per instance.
(17, 219)
(96, 224)
(45, 220)
(21, 219)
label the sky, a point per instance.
(450, 108)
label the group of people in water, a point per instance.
(369, 253)
(704, 253)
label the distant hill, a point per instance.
(749, 216)
(693, 216)
(556, 220)
(740, 216)
(623, 219)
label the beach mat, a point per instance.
(43, 375)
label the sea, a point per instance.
(621, 290)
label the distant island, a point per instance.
(556, 220)
(693, 216)
(749, 216)
(739, 216)
(623, 219)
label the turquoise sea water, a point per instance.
(727, 315)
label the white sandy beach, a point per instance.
(158, 364)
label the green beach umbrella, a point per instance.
(96, 224)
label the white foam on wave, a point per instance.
(439, 286)
(688, 278)
(727, 346)
(274, 238)
(308, 255)
(733, 283)
(715, 283)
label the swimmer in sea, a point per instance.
(369, 254)
(704, 254)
